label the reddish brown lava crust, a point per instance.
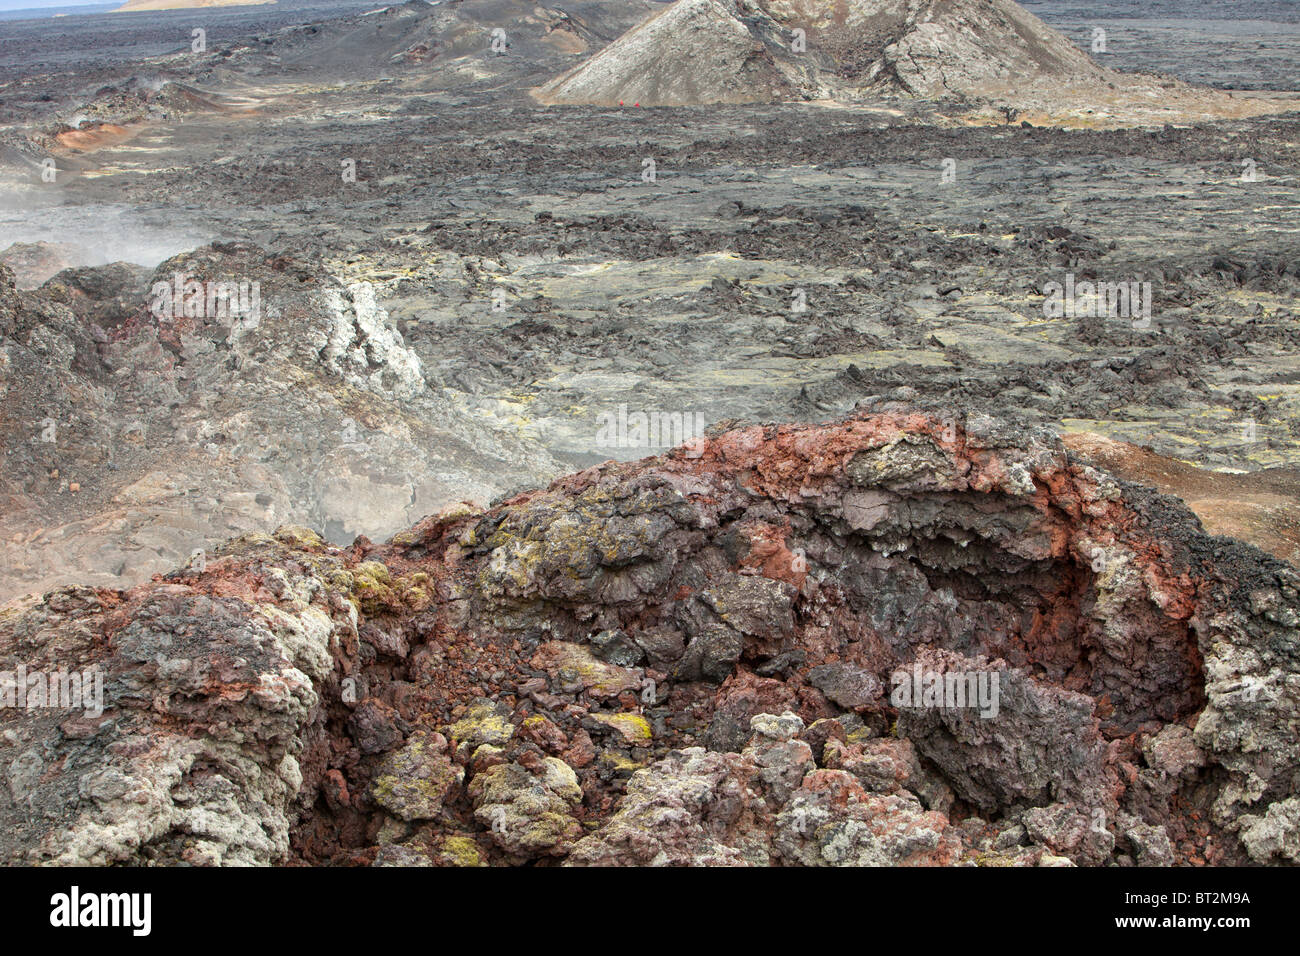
(572, 637)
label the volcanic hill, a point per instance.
(738, 51)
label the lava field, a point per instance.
(629, 433)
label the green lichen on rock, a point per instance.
(296, 536)
(575, 668)
(375, 590)
(413, 783)
(485, 722)
(460, 851)
(617, 763)
(634, 728)
(559, 546)
(529, 812)
(372, 587)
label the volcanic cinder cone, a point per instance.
(739, 51)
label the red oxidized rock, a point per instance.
(977, 620)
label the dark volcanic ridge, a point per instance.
(462, 41)
(689, 660)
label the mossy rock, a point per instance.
(297, 536)
(634, 728)
(413, 783)
(484, 723)
(460, 851)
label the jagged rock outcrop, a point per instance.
(143, 418)
(34, 262)
(744, 652)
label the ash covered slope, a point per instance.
(963, 46)
(689, 660)
(694, 52)
(737, 51)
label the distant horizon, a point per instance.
(7, 6)
(1224, 9)
(45, 4)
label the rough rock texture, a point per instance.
(667, 662)
(130, 440)
(34, 262)
(197, 758)
(1258, 507)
